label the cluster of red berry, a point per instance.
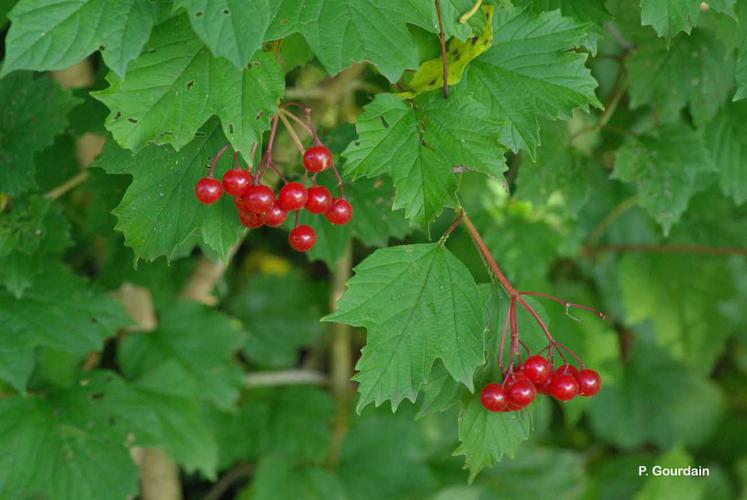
(522, 384)
(257, 205)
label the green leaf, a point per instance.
(34, 233)
(441, 392)
(366, 465)
(665, 168)
(558, 177)
(585, 11)
(342, 31)
(419, 150)
(69, 445)
(34, 112)
(669, 17)
(278, 477)
(658, 400)
(726, 139)
(199, 341)
(57, 311)
(530, 72)
(685, 312)
(55, 34)
(293, 422)
(178, 422)
(231, 28)
(485, 437)
(175, 86)
(741, 71)
(696, 71)
(280, 317)
(159, 214)
(419, 304)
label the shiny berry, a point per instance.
(493, 398)
(563, 386)
(258, 199)
(520, 393)
(537, 369)
(302, 238)
(275, 216)
(320, 199)
(589, 382)
(250, 219)
(544, 388)
(567, 369)
(208, 190)
(236, 181)
(340, 212)
(292, 196)
(317, 158)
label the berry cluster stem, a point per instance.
(443, 49)
(516, 297)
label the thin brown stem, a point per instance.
(503, 336)
(444, 63)
(296, 119)
(612, 216)
(564, 303)
(214, 162)
(452, 227)
(483, 249)
(673, 248)
(68, 185)
(235, 474)
(292, 133)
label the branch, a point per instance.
(673, 248)
(444, 64)
(236, 473)
(287, 377)
(341, 358)
(489, 260)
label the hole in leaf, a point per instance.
(97, 395)
(190, 84)
(230, 128)
(226, 12)
(118, 115)
(473, 40)
(432, 82)
(198, 13)
(132, 120)
(384, 122)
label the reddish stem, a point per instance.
(214, 162)
(443, 49)
(564, 303)
(483, 249)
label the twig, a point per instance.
(236, 473)
(483, 249)
(667, 248)
(291, 132)
(68, 185)
(443, 49)
(341, 358)
(287, 377)
(611, 217)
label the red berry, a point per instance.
(340, 212)
(520, 393)
(208, 190)
(275, 216)
(537, 369)
(292, 196)
(589, 382)
(317, 158)
(544, 388)
(302, 238)
(250, 219)
(258, 199)
(567, 370)
(320, 199)
(236, 181)
(563, 386)
(493, 398)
